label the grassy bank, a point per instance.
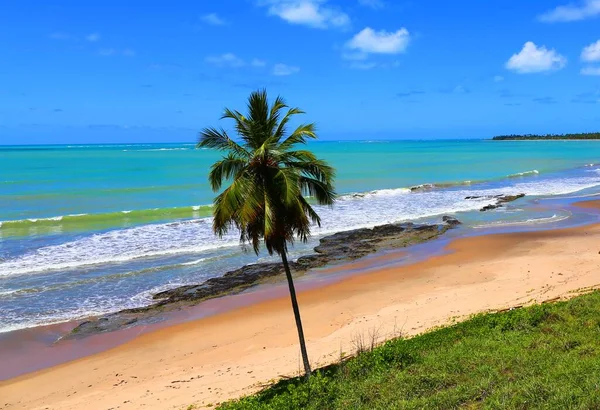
(544, 356)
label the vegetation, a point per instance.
(581, 136)
(544, 356)
(269, 179)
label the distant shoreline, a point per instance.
(591, 136)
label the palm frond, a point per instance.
(299, 136)
(308, 210)
(314, 168)
(258, 118)
(241, 124)
(276, 107)
(219, 140)
(323, 192)
(226, 207)
(287, 185)
(225, 169)
(280, 132)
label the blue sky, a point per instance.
(136, 71)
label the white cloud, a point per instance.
(534, 59)
(374, 4)
(572, 12)
(590, 71)
(498, 78)
(213, 19)
(591, 52)
(312, 13)
(226, 60)
(257, 63)
(284, 69)
(380, 42)
(92, 37)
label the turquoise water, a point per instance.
(88, 229)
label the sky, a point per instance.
(148, 71)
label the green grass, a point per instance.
(544, 356)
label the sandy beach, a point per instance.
(235, 353)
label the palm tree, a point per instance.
(269, 181)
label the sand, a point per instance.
(231, 354)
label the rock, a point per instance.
(450, 220)
(489, 207)
(510, 198)
(107, 323)
(422, 187)
(500, 199)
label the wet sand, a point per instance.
(234, 352)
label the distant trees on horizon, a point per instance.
(578, 136)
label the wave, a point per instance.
(402, 191)
(87, 307)
(95, 280)
(76, 222)
(525, 173)
(530, 221)
(158, 149)
(194, 236)
(375, 193)
(114, 264)
(440, 185)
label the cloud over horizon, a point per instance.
(369, 41)
(591, 53)
(534, 59)
(311, 13)
(572, 12)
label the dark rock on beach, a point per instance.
(336, 248)
(500, 200)
(106, 323)
(490, 207)
(450, 220)
(510, 198)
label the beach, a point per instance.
(237, 352)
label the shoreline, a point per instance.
(179, 365)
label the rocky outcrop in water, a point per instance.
(339, 247)
(336, 248)
(422, 187)
(451, 221)
(500, 200)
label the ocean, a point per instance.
(91, 229)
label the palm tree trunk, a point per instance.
(290, 281)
